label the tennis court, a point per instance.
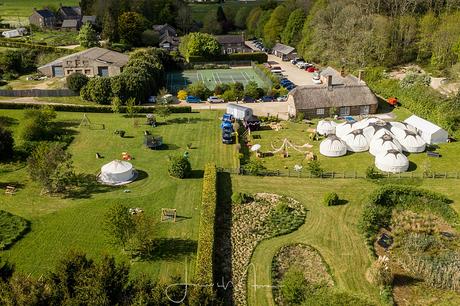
(211, 77)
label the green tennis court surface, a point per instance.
(178, 80)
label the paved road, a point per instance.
(296, 75)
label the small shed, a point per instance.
(283, 51)
(239, 112)
(14, 33)
(430, 132)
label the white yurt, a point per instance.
(382, 132)
(374, 127)
(117, 172)
(402, 126)
(332, 146)
(392, 161)
(384, 143)
(365, 122)
(344, 128)
(356, 141)
(410, 141)
(326, 127)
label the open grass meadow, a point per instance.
(58, 224)
(18, 11)
(331, 230)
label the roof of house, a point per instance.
(45, 13)
(422, 124)
(166, 37)
(338, 79)
(71, 11)
(162, 28)
(70, 23)
(97, 54)
(314, 96)
(90, 19)
(284, 49)
(230, 39)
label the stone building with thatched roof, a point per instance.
(337, 95)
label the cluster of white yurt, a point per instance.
(385, 140)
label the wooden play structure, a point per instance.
(168, 214)
(10, 190)
(85, 122)
(287, 145)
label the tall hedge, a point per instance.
(259, 57)
(205, 253)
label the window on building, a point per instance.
(69, 71)
(77, 62)
(345, 111)
(320, 111)
(364, 109)
(85, 63)
(103, 71)
(69, 63)
(229, 50)
(79, 71)
(87, 71)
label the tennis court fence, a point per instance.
(262, 75)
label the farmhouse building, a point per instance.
(69, 13)
(339, 94)
(91, 62)
(168, 37)
(232, 44)
(71, 25)
(43, 18)
(283, 51)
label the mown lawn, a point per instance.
(58, 225)
(331, 230)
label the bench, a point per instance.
(10, 190)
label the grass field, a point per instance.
(212, 77)
(58, 224)
(298, 135)
(18, 11)
(331, 230)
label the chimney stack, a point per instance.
(329, 82)
(342, 72)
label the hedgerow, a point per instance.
(201, 295)
(13, 228)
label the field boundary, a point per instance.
(38, 93)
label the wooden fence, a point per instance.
(342, 175)
(38, 93)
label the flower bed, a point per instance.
(267, 216)
(307, 259)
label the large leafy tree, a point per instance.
(87, 37)
(275, 25)
(6, 144)
(120, 224)
(130, 27)
(293, 29)
(199, 44)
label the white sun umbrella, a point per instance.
(410, 141)
(344, 128)
(117, 172)
(356, 141)
(392, 161)
(373, 127)
(333, 146)
(255, 147)
(326, 127)
(384, 143)
(402, 126)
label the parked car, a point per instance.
(296, 60)
(227, 117)
(285, 82)
(267, 99)
(282, 99)
(227, 137)
(299, 64)
(290, 87)
(214, 99)
(316, 81)
(248, 100)
(192, 99)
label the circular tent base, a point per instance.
(132, 179)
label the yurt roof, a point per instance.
(393, 157)
(117, 166)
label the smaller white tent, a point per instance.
(384, 143)
(392, 161)
(431, 133)
(326, 127)
(333, 146)
(373, 127)
(402, 126)
(410, 141)
(356, 141)
(117, 172)
(365, 122)
(344, 128)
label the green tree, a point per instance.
(150, 38)
(184, 18)
(275, 25)
(211, 24)
(179, 167)
(38, 124)
(98, 89)
(51, 166)
(130, 27)
(199, 44)
(241, 17)
(87, 37)
(292, 31)
(119, 224)
(253, 20)
(110, 26)
(315, 169)
(6, 144)
(252, 90)
(198, 89)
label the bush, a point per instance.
(372, 173)
(179, 167)
(331, 199)
(379, 273)
(97, 90)
(315, 169)
(13, 228)
(254, 167)
(76, 81)
(205, 254)
(240, 198)
(294, 286)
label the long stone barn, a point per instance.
(336, 95)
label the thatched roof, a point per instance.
(313, 96)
